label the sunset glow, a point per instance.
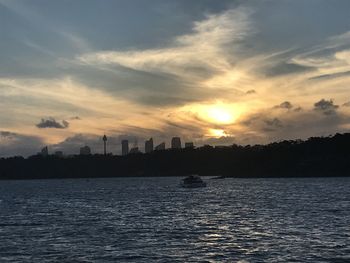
(216, 70)
(220, 115)
(217, 133)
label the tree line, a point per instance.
(316, 156)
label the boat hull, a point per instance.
(194, 185)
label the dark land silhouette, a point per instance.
(315, 157)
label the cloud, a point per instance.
(155, 86)
(72, 144)
(327, 107)
(346, 104)
(330, 59)
(296, 123)
(273, 124)
(251, 91)
(192, 67)
(285, 68)
(208, 38)
(52, 123)
(297, 109)
(284, 105)
(331, 75)
(7, 134)
(13, 144)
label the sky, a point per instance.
(212, 72)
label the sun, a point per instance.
(220, 115)
(217, 133)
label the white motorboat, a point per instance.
(193, 181)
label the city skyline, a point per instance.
(210, 72)
(126, 147)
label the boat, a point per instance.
(193, 181)
(218, 177)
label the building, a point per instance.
(104, 138)
(134, 150)
(160, 147)
(45, 151)
(125, 147)
(176, 143)
(189, 145)
(85, 150)
(149, 146)
(59, 154)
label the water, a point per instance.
(154, 220)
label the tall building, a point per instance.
(125, 147)
(160, 147)
(85, 150)
(189, 145)
(134, 150)
(149, 146)
(44, 151)
(176, 143)
(104, 138)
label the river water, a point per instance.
(155, 220)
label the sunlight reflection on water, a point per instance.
(154, 220)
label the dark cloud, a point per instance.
(14, 144)
(71, 145)
(273, 124)
(277, 35)
(260, 123)
(52, 123)
(181, 126)
(284, 68)
(251, 120)
(50, 55)
(327, 107)
(300, 123)
(251, 91)
(331, 76)
(284, 105)
(7, 134)
(146, 88)
(298, 109)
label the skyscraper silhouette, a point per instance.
(189, 145)
(176, 143)
(86, 150)
(125, 147)
(45, 151)
(149, 146)
(104, 138)
(134, 150)
(160, 147)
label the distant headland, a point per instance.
(314, 157)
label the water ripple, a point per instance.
(153, 220)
